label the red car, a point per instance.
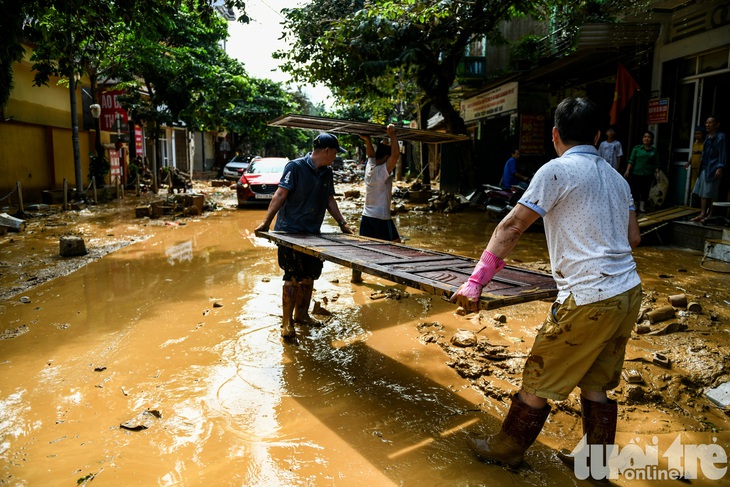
(260, 180)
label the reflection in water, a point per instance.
(181, 252)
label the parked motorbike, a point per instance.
(500, 201)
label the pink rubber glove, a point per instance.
(486, 268)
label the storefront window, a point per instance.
(714, 61)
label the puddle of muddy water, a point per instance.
(187, 323)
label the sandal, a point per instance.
(698, 218)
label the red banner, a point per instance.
(624, 90)
(113, 116)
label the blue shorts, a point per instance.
(377, 228)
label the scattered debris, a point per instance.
(632, 376)
(13, 224)
(142, 421)
(670, 328)
(661, 360)
(642, 329)
(464, 338)
(720, 395)
(660, 314)
(72, 246)
(678, 300)
(14, 332)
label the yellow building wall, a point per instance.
(36, 146)
(40, 157)
(45, 105)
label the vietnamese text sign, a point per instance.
(115, 166)
(658, 111)
(111, 110)
(492, 103)
(532, 131)
(138, 140)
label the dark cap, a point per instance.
(325, 140)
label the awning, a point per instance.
(339, 126)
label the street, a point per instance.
(160, 363)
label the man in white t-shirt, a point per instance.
(376, 221)
(591, 228)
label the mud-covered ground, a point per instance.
(671, 363)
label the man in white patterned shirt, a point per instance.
(591, 228)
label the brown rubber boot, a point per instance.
(599, 426)
(519, 430)
(301, 308)
(288, 301)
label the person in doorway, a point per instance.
(376, 221)
(642, 169)
(510, 176)
(714, 158)
(695, 158)
(591, 228)
(305, 191)
(610, 149)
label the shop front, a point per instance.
(693, 69)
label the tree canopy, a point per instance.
(381, 52)
(166, 54)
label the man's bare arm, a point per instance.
(274, 206)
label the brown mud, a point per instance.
(156, 360)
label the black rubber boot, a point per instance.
(519, 430)
(599, 426)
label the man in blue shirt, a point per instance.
(305, 191)
(510, 176)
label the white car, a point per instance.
(235, 167)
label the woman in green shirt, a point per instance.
(642, 169)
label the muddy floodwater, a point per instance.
(161, 364)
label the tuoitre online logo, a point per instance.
(632, 462)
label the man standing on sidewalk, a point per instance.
(591, 228)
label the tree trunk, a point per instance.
(74, 118)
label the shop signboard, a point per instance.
(138, 141)
(658, 111)
(493, 103)
(115, 166)
(113, 116)
(532, 135)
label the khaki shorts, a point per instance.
(581, 346)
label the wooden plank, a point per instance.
(341, 126)
(434, 272)
(667, 214)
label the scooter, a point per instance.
(500, 201)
